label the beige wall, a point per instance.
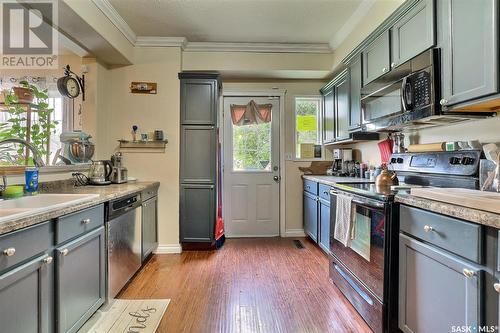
(293, 185)
(118, 110)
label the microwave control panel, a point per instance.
(421, 86)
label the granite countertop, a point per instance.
(106, 193)
(332, 180)
(460, 212)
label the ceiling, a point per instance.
(242, 21)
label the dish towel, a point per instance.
(343, 221)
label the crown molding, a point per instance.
(107, 9)
(145, 41)
(357, 16)
(257, 47)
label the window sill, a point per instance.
(309, 160)
(46, 169)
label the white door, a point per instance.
(251, 171)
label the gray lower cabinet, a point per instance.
(469, 51)
(355, 84)
(199, 154)
(80, 280)
(342, 90)
(437, 290)
(311, 215)
(413, 33)
(324, 224)
(25, 297)
(149, 226)
(376, 58)
(197, 213)
(328, 114)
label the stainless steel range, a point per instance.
(366, 270)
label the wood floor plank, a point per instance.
(249, 285)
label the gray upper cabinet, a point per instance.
(198, 155)
(25, 297)
(196, 108)
(355, 84)
(413, 33)
(468, 38)
(197, 213)
(376, 58)
(149, 226)
(329, 114)
(437, 290)
(342, 90)
(80, 280)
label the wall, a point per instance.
(293, 185)
(118, 110)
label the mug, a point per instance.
(144, 136)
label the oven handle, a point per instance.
(353, 285)
(370, 204)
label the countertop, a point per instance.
(332, 180)
(106, 193)
(460, 212)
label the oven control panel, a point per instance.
(465, 162)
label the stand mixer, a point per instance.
(77, 147)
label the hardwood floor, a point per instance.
(250, 285)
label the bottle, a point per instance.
(31, 180)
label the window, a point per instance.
(308, 124)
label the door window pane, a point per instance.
(252, 147)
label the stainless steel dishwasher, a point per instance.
(123, 237)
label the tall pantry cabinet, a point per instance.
(199, 161)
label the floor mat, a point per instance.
(127, 315)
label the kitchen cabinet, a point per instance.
(311, 215)
(433, 281)
(149, 226)
(195, 110)
(80, 280)
(197, 213)
(342, 108)
(468, 39)
(25, 296)
(355, 84)
(199, 154)
(324, 224)
(413, 33)
(376, 58)
(328, 113)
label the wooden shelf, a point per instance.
(154, 144)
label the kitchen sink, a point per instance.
(25, 206)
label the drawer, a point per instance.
(457, 236)
(149, 193)
(25, 243)
(324, 191)
(311, 187)
(73, 225)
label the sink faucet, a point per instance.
(36, 155)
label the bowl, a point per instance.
(82, 151)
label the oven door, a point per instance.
(364, 258)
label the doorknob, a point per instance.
(277, 179)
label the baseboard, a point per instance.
(168, 249)
(294, 233)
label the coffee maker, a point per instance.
(341, 158)
(119, 172)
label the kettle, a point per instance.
(99, 172)
(386, 178)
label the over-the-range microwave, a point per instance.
(408, 97)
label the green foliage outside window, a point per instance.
(252, 147)
(309, 109)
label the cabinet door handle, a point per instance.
(326, 192)
(497, 287)
(9, 252)
(393, 65)
(384, 69)
(428, 228)
(64, 252)
(443, 102)
(86, 221)
(468, 273)
(48, 260)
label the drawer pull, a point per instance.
(468, 273)
(86, 221)
(64, 252)
(497, 287)
(48, 260)
(428, 228)
(9, 252)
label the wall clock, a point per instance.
(71, 85)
